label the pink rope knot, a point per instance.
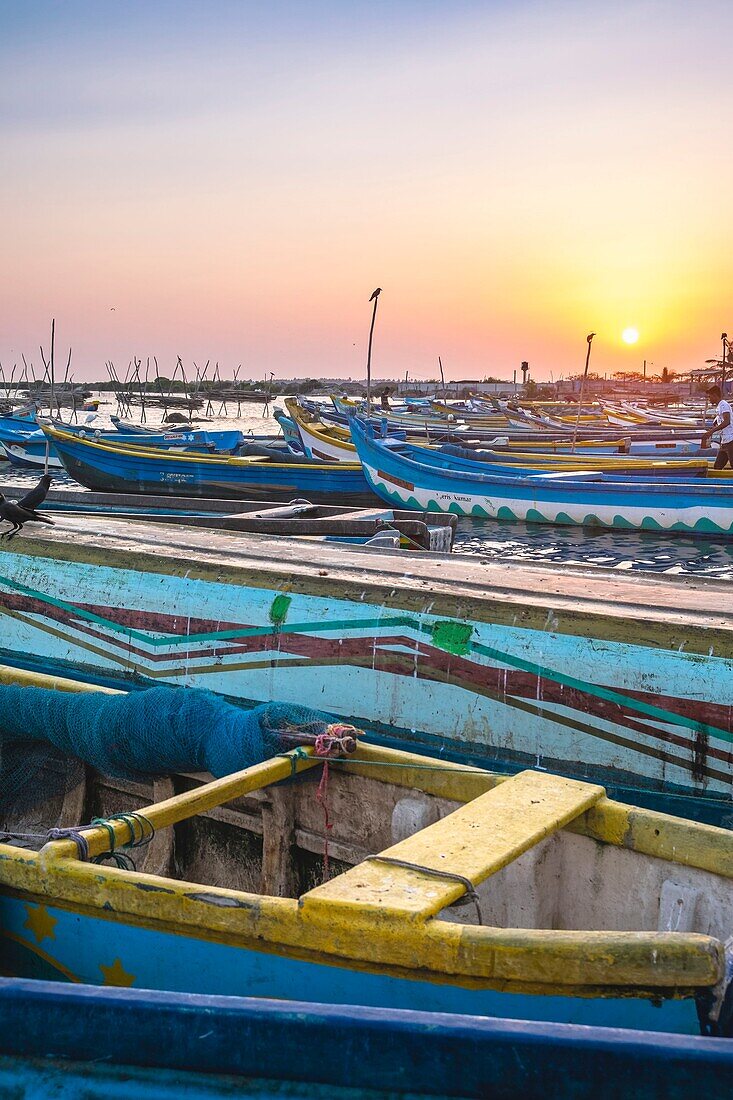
(338, 738)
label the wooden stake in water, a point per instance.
(589, 338)
(374, 298)
(51, 377)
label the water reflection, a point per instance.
(642, 551)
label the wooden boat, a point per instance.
(32, 454)
(451, 889)
(198, 440)
(667, 419)
(108, 467)
(328, 443)
(419, 419)
(333, 443)
(65, 1040)
(300, 518)
(506, 462)
(648, 448)
(416, 480)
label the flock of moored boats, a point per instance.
(435, 887)
(473, 458)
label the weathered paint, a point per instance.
(65, 1041)
(351, 941)
(627, 680)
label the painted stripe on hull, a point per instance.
(392, 673)
(706, 519)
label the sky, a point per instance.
(229, 181)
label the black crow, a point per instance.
(18, 513)
(37, 495)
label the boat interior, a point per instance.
(426, 838)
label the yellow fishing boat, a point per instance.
(378, 877)
(330, 443)
(333, 444)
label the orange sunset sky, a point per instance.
(230, 181)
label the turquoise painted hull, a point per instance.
(87, 949)
(31, 454)
(644, 716)
(197, 440)
(419, 483)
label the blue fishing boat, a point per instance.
(108, 467)
(66, 1040)
(32, 450)
(425, 480)
(196, 440)
(31, 453)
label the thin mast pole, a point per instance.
(589, 338)
(374, 298)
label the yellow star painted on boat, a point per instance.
(40, 922)
(116, 974)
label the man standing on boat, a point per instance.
(724, 425)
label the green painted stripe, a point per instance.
(599, 692)
(404, 621)
(208, 636)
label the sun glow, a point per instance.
(630, 335)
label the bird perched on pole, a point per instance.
(19, 512)
(589, 341)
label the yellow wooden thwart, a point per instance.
(475, 841)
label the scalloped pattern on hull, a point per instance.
(699, 520)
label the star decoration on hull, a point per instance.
(116, 974)
(40, 922)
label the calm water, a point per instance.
(517, 542)
(638, 551)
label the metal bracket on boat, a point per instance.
(471, 897)
(715, 1006)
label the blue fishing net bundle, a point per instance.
(154, 732)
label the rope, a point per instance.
(73, 833)
(294, 755)
(322, 800)
(336, 739)
(132, 819)
(471, 895)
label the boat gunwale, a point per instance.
(66, 439)
(470, 479)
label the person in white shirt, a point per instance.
(724, 425)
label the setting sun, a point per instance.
(630, 335)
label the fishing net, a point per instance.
(155, 732)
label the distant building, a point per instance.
(463, 387)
